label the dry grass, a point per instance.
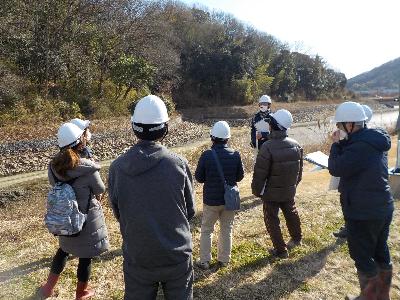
(320, 269)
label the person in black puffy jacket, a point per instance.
(213, 194)
(277, 172)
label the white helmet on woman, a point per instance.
(349, 112)
(221, 130)
(69, 135)
(368, 112)
(82, 124)
(265, 99)
(283, 117)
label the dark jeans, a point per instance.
(271, 219)
(142, 283)
(367, 241)
(60, 259)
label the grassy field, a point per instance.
(320, 269)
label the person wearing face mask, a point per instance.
(259, 123)
(342, 233)
(360, 160)
(86, 152)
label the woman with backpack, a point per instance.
(214, 209)
(84, 178)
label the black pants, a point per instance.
(367, 241)
(60, 259)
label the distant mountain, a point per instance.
(385, 78)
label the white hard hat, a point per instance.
(368, 112)
(265, 99)
(283, 117)
(150, 110)
(68, 135)
(82, 124)
(221, 130)
(349, 112)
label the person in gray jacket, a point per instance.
(151, 194)
(83, 175)
(277, 172)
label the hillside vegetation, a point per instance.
(61, 58)
(384, 77)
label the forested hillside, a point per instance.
(59, 58)
(384, 77)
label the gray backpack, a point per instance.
(63, 217)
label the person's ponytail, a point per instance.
(66, 159)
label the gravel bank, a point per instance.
(34, 155)
(111, 137)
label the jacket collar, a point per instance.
(219, 146)
(355, 134)
(264, 114)
(278, 134)
(144, 143)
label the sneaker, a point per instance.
(293, 244)
(342, 233)
(222, 264)
(203, 265)
(278, 254)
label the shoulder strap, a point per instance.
(221, 173)
(56, 180)
(70, 182)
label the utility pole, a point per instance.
(398, 133)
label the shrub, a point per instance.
(169, 103)
(39, 109)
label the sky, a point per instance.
(352, 36)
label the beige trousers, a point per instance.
(211, 214)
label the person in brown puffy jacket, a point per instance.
(277, 172)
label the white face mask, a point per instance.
(263, 108)
(88, 135)
(342, 135)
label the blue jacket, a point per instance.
(362, 165)
(257, 118)
(207, 173)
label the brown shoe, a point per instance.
(278, 254)
(342, 233)
(222, 264)
(293, 244)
